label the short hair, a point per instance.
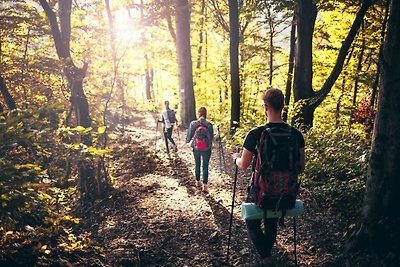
(202, 112)
(274, 98)
(166, 102)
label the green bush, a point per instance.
(31, 164)
(336, 168)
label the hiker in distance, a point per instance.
(200, 136)
(168, 119)
(273, 103)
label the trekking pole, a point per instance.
(179, 137)
(166, 140)
(219, 149)
(233, 204)
(155, 141)
(223, 155)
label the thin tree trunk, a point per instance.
(25, 70)
(359, 66)
(289, 80)
(115, 68)
(271, 46)
(339, 102)
(234, 63)
(147, 75)
(201, 34)
(147, 71)
(378, 63)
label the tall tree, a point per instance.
(61, 31)
(303, 90)
(306, 13)
(380, 219)
(184, 55)
(234, 62)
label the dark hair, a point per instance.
(274, 98)
(202, 112)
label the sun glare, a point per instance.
(126, 25)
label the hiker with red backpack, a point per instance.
(168, 119)
(200, 136)
(276, 153)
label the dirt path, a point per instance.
(156, 217)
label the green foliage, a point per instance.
(336, 168)
(30, 163)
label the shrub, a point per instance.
(336, 168)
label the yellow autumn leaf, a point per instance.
(80, 128)
(101, 129)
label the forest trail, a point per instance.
(158, 218)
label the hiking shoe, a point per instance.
(175, 148)
(205, 188)
(198, 183)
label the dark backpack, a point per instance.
(171, 116)
(275, 172)
(201, 137)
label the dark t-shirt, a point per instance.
(253, 136)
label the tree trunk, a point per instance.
(339, 102)
(24, 70)
(289, 80)
(381, 219)
(201, 34)
(75, 76)
(148, 78)
(271, 45)
(184, 56)
(147, 71)
(115, 68)
(359, 66)
(234, 63)
(6, 95)
(306, 13)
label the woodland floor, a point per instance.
(155, 216)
